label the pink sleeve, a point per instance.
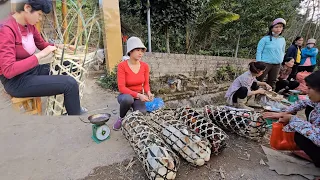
(146, 77)
(121, 76)
(40, 43)
(9, 66)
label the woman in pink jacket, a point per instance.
(20, 72)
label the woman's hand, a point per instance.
(268, 87)
(45, 52)
(273, 115)
(150, 96)
(61, 46)
(283, 117)
(143, 97)
(260, 91)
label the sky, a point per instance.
(312, 3)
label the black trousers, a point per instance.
(312, 150)
(271, 73)
(306, 68)
(242, 92)
(285, 84)
(37, 83)
(305, 144)
(126, 101)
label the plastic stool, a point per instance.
(29, 105)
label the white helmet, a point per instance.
(134, 43)
(279, 21)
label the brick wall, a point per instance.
(162, 64)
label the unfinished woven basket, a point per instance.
(188, 144)
(158, 160)
(74, 65)
(197, 122)
(244, 123)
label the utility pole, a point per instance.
(149, 27)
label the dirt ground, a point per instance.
(110, 165)
(231, 162)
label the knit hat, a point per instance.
(134, 43)
(278, 21)
(311, 41)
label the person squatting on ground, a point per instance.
(307, 132)
(20, 72)
(283, 85)
(133, 81)
(294, 51)
(271, 50)
(309, 57)
(246, 86)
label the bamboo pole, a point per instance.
(55, 20)
(112, 33)
(65, 22)
(38, 26)
(79, 28)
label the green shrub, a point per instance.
(109, 81)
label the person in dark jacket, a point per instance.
(295, 51)
(283, 85)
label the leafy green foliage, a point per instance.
(211, 27)
(88, 11)
(255, 18)
(109, 80)
(227, 73)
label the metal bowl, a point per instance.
(99, 119)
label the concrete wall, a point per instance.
(162, 64)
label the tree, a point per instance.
(255, 18)
(209, 22)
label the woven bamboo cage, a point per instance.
(70, 64)
(158, 160)
(188, 144)
(199, 123)
(244, 123)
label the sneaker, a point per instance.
(117, 124)
(83, 110)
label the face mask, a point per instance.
(310, 46)
(274, 34)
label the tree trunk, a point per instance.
(317, 23)
(167, 39)
(237, 48)
(187, 39)
(305, 17)
(310, 22)
(65, 22)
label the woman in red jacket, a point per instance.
(20, 72)
(133, 81)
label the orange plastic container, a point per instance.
(281, 140)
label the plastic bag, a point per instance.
(276, 106)
(156, 104)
